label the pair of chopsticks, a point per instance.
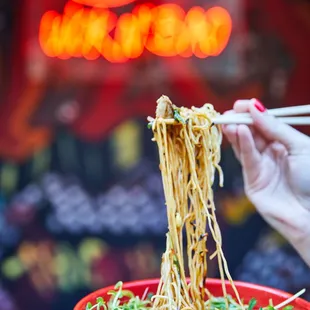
(288, 115)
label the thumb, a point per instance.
(276, 131)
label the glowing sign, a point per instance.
(104, 3)
(165, 30)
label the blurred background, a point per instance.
(81, 200)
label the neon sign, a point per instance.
(104, 3)
(165, 30)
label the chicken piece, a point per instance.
(164, 108)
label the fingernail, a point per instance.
(258, 105)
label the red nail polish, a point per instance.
(259, 106)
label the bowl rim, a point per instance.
(154, 281)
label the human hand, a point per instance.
(275, 161)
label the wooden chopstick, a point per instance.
(245, 118)
(287, 111)
(290, 111)
(248, 120)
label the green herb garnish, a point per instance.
(252, 304)
(115, 303)
(100, 305)
(177, 116)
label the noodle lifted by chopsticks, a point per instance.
(189, 156)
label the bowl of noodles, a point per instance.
(138, 295)
(189, 148)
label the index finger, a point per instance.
(243, 105)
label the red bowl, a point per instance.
(246, 290)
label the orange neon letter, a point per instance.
(165, 30)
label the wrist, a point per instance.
(301, 239)
(294, 225)
(303, 248)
